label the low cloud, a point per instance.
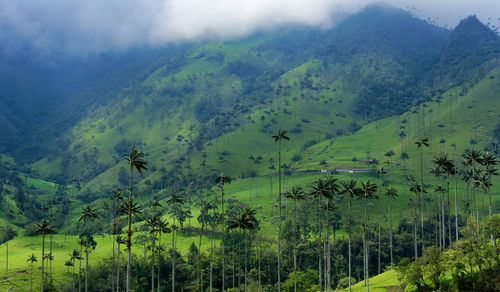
(90, 26)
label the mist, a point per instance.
(69, 27)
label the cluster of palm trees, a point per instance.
(326, 193)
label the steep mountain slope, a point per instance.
(246, 89)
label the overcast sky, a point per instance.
(86, 26)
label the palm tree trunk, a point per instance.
(153, 265)
(31, 277)
(390, 233)
(129, 232)
(320, 268)
(239, 260)
(365, 242)
(260, 259)
(439, 221)
(72, 277)
(50, 258)
(200, 270)
(415, 242)
(246, 256)
(294, 246)
(173, 256)
(379, 232)
(421, 204)
(279, 216)
(80, 270)
(86, 264)
(113, 238)
(118, 270)
(222, 243)
(349, 237)
(328, 281)
(7, 254)
(448, 205)
(490, 212)
(43, 261)
(159, 262)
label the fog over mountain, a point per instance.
(83, 27)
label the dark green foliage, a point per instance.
(468, 52)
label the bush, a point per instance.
(344, 283)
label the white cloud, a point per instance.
(96, 25)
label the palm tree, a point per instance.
(296, 194)
(117, 198)
(88, 213)
(135, 160)
(75, 255)
(244, 219)
(380, 171)
(367, 191)
(162, 228)
(174, 201)
(472, 158)
(279, 138)
(221, 180)
(424, 142)
(391, 193)
(44, 227)
(448, 167)
(490, 161)
(69, 263)
(203, 219)
(31, 259)
(350, 190)
(319, 191)
(81, 242)
(152, 224)
(416, 189)
(119, 241)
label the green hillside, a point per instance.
(352, 99)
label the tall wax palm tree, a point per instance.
(32, 259)
(221, 180)
(490, 161)
(153, 225)
(380, 171)
(117, 198)
(472, 158)
(296, 194)
(442, 234)
(367, 191)
(119, 241)
(88, 213)
(350, 190)
(320, 190)
(81, 241)
(68, 263)
(243, 220)
(415, 189)
(135, 161)
(162, 228)
(329, 206)
(391, 194)
(203, 219)
(423, 142)
(281, 136)
(484, 183)
(174, 202)
(75, 255)
(44, 227)
(448, 167)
